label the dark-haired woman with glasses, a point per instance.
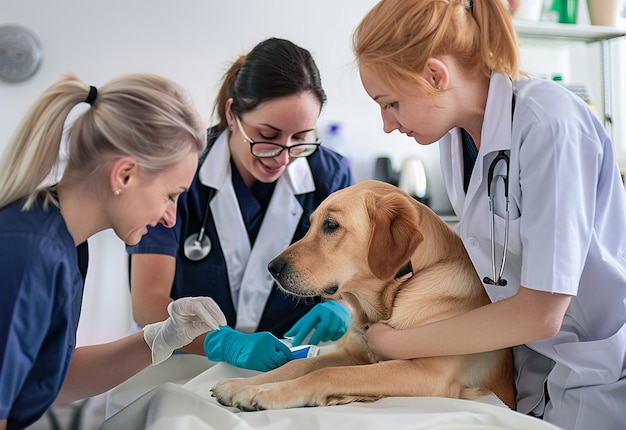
(262, 176)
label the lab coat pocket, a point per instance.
(594, 362)
(499, 201)
(515, 244)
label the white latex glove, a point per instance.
(189, 318)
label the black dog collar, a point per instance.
(405, 272)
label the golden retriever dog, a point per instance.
(393, 260)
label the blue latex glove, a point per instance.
(330, 321)
(256, 351)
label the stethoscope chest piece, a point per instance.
(197, 246)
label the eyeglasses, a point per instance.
(268, 149)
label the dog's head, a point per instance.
(358, 240)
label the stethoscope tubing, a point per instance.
(497, 274)
(205, 215)
(501, 156)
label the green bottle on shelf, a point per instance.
(566, 10)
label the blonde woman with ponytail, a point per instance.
(531, 174)
(130, 154)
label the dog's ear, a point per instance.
(394, 232)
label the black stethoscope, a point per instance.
(492, 181)
(198, 245)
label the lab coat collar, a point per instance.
(300, 176)
(215, 170)
(496, 131)
(495, 136)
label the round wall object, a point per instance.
(20, 53)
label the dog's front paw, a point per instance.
(249, 399)
(274, 395)
(224, 390)
(262, 397)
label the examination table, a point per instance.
(176, 395)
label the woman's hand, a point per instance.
(328, 320)
(379, 338)
(189, 318)
(260, 351)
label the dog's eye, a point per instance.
(329, 224)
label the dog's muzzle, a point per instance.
(291, 282)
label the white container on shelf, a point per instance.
(529, 10)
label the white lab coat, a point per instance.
(567, 235)
(244, 263)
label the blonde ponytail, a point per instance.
(143, 116)
(33, 152)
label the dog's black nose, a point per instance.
(276, 266)
(331, 290)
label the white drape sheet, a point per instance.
(168, 397)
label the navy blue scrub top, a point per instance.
(42, 291)
(208, 277)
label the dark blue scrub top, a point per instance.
(42, 290)
(208, 277)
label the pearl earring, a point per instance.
(230, 127)
(117, 193)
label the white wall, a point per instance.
(193, 42)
